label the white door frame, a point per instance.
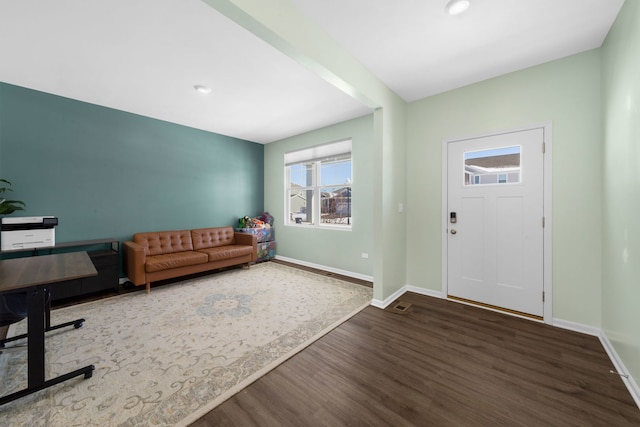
(547, 231)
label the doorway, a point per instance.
(496, 221)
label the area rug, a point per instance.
(167, 358)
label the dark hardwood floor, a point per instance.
(440, 363)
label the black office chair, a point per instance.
(13, 308)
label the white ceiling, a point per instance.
(418, 50)
(145, 56)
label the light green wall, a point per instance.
(107, 173)
(621, 192)
(280, 23)
(565, 92)
(333, 248)
(390, 225)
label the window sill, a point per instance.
(320, 227)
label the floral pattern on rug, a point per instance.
(225, 305)
(163, 358)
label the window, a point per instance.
(496, 166)
(318, 186)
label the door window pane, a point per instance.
(495, 166)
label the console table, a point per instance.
(105, 255)
(36, 276)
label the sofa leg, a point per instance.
(148, 287)
(249, 264)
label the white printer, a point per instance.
(27, 232)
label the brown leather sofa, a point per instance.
(160, 255)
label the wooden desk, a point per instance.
(104, 253)
(35, 275)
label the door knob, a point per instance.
(453, 231)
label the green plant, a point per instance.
(8, 206)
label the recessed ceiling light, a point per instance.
(202, 89)
(456, 7)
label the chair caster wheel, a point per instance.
(89, 373)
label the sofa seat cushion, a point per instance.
(226, 252)
(177, 259)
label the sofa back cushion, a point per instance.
(212, 237)
(164, 242)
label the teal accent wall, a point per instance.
(108, 173)
(621, 188)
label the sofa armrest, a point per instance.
(248, 239)
(134, 259)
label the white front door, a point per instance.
(495, 235)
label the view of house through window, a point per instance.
(496, 166)
(318, 186)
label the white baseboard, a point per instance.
(325, 268)
(576, 327)
(391, 298)
(423, 291)
(406, 288)
(621, 370)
